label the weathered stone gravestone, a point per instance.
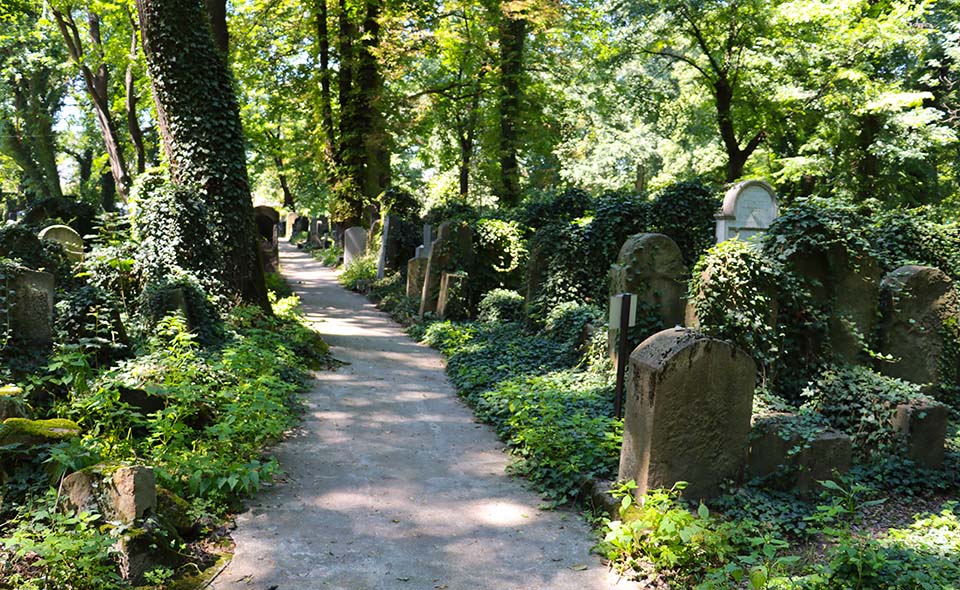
(291, 221)
(748, 209)
(687, 417)
(536, 272)
(354, 244)
(267, 220)
(65, 236)
(451, 304)
(919, 309)
(453, 248)
(390, 243)
(650, 266)
(923, 431)
(417, 266)
(847, 286)
(30, 306)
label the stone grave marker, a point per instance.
(748, 209)
(536, 272)
(919, 304)
(65, 236)
(354, 244)
(687, 417)
(923, 432)
(451, 304)
(291, 221)
(650, 266)
(30, 306)
(390, 245)
(267, 220)
(453, 247)
(776, 445)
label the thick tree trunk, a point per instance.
(31, 144)
(108, 192)
(98, 88)
(376, 155)
(133, 123)
(200, 125)
(512, 35)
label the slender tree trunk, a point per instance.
(326, 106)
(108, 192)
(512, 34)
(200, 124)
(98, 88)
(133, 123)
(376, 155)
(736, 156)
(288, 201)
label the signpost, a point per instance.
(623, 313)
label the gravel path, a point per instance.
(391, 484)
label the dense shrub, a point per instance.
(915, 236)
(540, 210)
(499, 257)
(501, 305)
(685, 211)
(360, 273)
(568, 322)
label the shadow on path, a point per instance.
(391, 484)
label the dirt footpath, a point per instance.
(391, 484)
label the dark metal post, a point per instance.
(622, 359)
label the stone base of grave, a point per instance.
(923, 429)
(773, 449)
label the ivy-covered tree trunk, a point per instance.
(28, 139)
(200, 126)
(512, 34)
(326, 106)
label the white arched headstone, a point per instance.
(748, 209)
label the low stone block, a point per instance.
(923, 430)
(31, 308)
(11, 404)
(132, 493)
(775, 447)
(33, 432)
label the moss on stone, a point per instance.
(10, 390)
(19, 429)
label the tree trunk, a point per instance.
(108, 192)
(133, 123)
(31, 144)
(376, 155)
(217, 13)
(98, 88)
(200, 124)
(736, 156)
(326, 107)
(288, 201)
(512, 34)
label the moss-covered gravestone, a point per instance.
(28, 433)
(845, 285)
(64, 235)
(919, 326)
(29, 302)
(536, 275)
(650, 266)
(451, 251)
(687, 417)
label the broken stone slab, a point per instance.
(799, 460)
(69, 239)
(451, 251)
(28, 432)
(688, 410)
(923, 430)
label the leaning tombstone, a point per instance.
(651, 267)
(748, 209)
(452, 304)
(354, 244)
(687, 417)
(920, 314)
(69, 239)
(29, 300)
(452, 250)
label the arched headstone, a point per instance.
(65, 236)
(687, 417)
(748, 209)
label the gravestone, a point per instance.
(748, 209)
(687, 417)
(428, 238)
(372, 234)
(922, 428)
(291, 222)
(416, 271)
(30, 300)
(847, 287)
(919, 307)
(313, 232)
(337, 231)
(354, 244)
(389, 245)
(650, 266)
(267, 220)
(65, 236)
(451, 304)
(453, 248)
(537, 262)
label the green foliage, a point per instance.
(501, 305)
(19, 242)
(915, 236)
(685, 211)
(396, 201)
(360, 273)
(64, 551)
(110, 264)
(276, 284)
(736, 290)
(861, 403)
(390, 292)
(567, 324)
(499, 256)
(542, 209)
